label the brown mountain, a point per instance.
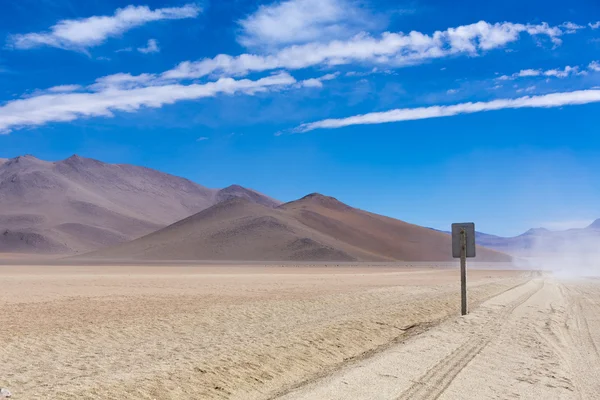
(314, 228)
(235, 191)
(80, 204)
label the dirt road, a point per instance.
(538, 340)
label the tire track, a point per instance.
(582, 323)
(435, 381)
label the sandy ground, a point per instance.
(263, 332)
(540, 340)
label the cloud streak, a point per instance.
(80, 34)
(110, 97)
(556, 73)
(392, 49)
(411, 114)
(317, 82)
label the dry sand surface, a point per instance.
(538, 341)
(261, 332)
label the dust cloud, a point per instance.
(573, 253)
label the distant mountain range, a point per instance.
(542, 241)
(94, 209)
(315, 228)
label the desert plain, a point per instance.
(294, 331)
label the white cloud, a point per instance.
(529, 72)
(410, 114)
(65, 88)
(329, 77)
(123, 81)
(567, 71)
(151, 47)
(318, 82)
(313, 82)
(572, 27)
(79, 34)
(302, 21)
(595, 25)
(452, 91)
(61, 107)
(374, 70)
(557, 73)
(527, 89)
(393, 49)
(594, 66)
(201, 139)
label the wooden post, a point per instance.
(463, 271)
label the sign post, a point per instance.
(463, 246)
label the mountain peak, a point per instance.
(26, 159)
(594, 225)
(249, 194)
(322, 200)
(536, 231)
(233, 187)
(23, 158)
(76, 161)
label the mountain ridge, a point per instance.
(80, 204)
(313, 228)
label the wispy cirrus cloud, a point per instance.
(301, 21)
(81, 34)
(151, 47)
(65, 88)
(411, 114)
(389, 49)
(317, 82)
(556, 73)
(107, 96)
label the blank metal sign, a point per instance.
(469, 228)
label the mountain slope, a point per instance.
(314, 228)
(594, 225)
(80, 204)
(376, 234)
(236, 229)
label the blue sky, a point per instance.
(425, 111)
